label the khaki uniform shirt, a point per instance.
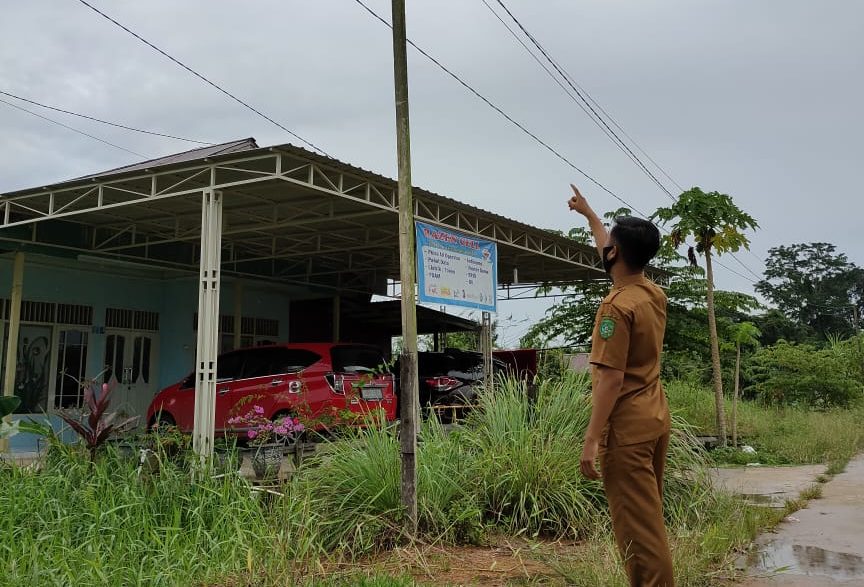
(628, 336)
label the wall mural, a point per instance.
(33, 369)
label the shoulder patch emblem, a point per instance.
(607, 327)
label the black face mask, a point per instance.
(607, 262)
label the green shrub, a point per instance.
(791, 374)
(780, 434)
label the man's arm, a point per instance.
(579, 204)
(605, 391)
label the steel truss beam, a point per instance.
(257, 208)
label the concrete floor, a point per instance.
(820, 546)
(770, 486)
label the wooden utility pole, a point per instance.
(408, 376)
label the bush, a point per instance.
(780, 434)
(792, 374)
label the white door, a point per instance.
(131, 367)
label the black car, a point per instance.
(450, 378)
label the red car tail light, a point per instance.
(336, 382)
(443, 384)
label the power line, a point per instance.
(204, 79)
(66, 126)
(555, 78)
(579, 92)
(94, 119)
(506, 116)
(521, 127)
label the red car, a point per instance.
(305, 380)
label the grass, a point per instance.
(512, 470)
(790, 435)
(703, 554)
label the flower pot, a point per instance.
(266, 461)
(227, 460)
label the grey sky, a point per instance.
(759, 99)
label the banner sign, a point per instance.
(456, 269)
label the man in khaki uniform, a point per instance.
(630, 422)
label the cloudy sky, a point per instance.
(759, 99)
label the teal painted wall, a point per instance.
(174, 298)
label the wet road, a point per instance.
(823, 545)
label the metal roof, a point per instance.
(290, 215)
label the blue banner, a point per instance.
(456, 269)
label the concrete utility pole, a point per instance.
(408, 376)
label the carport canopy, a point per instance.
(281, 214)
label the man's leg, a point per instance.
(632, 477)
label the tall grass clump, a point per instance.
(82, 523)
(780, 434)
(358, 483)
(526, 459)
(526, 456)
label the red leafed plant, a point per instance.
(98, 425)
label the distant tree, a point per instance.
(571, 321)
(815, 287)
(717, 225)
(776, 326)
(743, 334)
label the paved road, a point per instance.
(823, 546)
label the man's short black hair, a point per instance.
(638, 240)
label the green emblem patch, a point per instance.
(607, 327)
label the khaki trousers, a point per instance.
(633, 480)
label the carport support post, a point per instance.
(486, 348)
(14, 325)
(208, 324)
(408, 377)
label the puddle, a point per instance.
(774, 500)
(783, 556)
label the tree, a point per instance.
(717, 225)
(571, 322)
(743, 334)
(815, 287)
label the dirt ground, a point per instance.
(508, 562)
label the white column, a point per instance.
(208, 323)
(14, 324)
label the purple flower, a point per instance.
(252, 434)
(299, 427)
(258, 410)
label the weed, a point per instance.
(812, 492)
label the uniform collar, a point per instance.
(629, 280)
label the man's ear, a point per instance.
(613, 253)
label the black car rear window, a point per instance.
(263, 361)
(351, 359)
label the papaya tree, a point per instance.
(743, 335)
(717, 226)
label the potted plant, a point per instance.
(268, 437)
(226, 457)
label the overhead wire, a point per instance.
(99, 120)
(579, 90)
(555, 78)
(73, 129)
(579, 93)
(205, 79)
(522, 127)
(501, 112)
